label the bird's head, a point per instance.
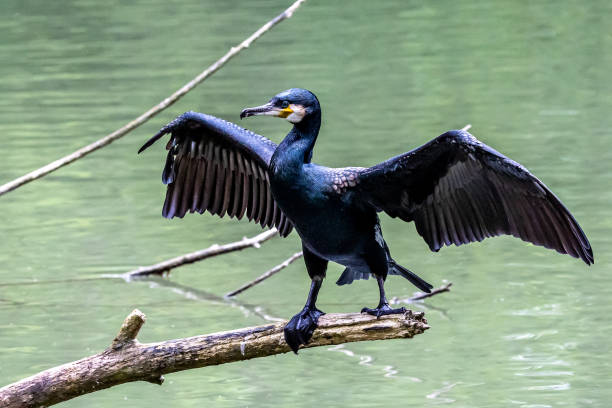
(294, 104)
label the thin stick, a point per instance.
(444, 288)
(441, 289)
(128, 360)
(466, 127)
(111, 137)
(192, 257)
(265, 275)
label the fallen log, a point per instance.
(128, 360)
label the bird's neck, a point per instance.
(296, 149)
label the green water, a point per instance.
(522, 327)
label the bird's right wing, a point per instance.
(457, 190)
(216, 166)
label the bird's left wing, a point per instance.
(217, 166)
(458, 190)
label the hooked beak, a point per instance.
(268, 110)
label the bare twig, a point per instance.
(192, 257)
(131, 361)
(441, 289)
(467, 127)
(43, 171)
(421, 296)
(265, 275)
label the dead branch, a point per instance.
(111, 137)
(192, 257)
(265, 275)
(420, 296)
(441, 289)
(128, 360)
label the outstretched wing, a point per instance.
(216, 166)
(458, 190)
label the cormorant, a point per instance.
(455, 188)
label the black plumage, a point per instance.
(212, 166)
(456, 190)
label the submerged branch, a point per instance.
(128, 360)
(266, 275)
(111, 137)
(192, 257)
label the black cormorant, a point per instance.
(455, 188)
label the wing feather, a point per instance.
(263, 193)
(216, 166)
(229, 184)
(188, 189)
(219, 181)
(458, 190)
(254, 201)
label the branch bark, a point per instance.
(111, 137)
(128, 360)
(265, 275)
(213, 250)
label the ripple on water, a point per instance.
(527, 336)
(552, 387)
(539, 360)
(542, 310)
(437, 394)
(388, 371)
(545, 374)
(542, 371)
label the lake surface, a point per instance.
(522, 327)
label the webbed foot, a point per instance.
(382, 310)
(301, 326)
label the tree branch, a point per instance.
(436, 291)
(127, 360)
(192, 257)
(266, 275)
(420, 295)
(129, 329)
(111, 137)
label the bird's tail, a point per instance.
(396, 269)
(351, 274)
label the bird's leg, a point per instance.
(301, 326)
(383, 307)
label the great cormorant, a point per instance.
(455, 188)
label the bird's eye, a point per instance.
(285, 104)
